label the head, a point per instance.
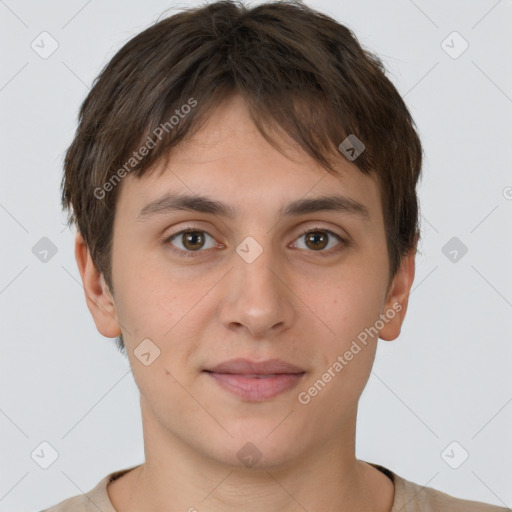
(245, 107)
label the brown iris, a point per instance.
(316, 239)
(193, 240)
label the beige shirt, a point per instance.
(409, 497)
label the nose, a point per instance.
(257, 298)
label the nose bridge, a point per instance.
(257, 299)
(257, 275)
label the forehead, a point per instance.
(229, 159)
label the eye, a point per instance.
(191, 240)
(319, 240)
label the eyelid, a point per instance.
(318, 228)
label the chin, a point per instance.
(253, 451)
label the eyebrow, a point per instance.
(202, 204)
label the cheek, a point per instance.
(149, 300)
(349, 302)
(350, 310)
(171, 310)
(345, 359)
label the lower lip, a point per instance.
(255, 389)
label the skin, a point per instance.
(290, 303)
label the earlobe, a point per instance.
(398, 298)
(97, 294)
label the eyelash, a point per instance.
(343, 242)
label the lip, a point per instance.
(256, 381)
(242, 366)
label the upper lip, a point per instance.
(246, 366)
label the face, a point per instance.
(266, 271)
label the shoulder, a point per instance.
(417, 498)
(92, 501)
(77, 503)
(412, 497)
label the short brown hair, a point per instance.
(296, 68)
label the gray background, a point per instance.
(446, 379)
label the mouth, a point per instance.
(256, 381)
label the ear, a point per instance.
(97, 294)
(398, 297)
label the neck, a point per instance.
(326, 477)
